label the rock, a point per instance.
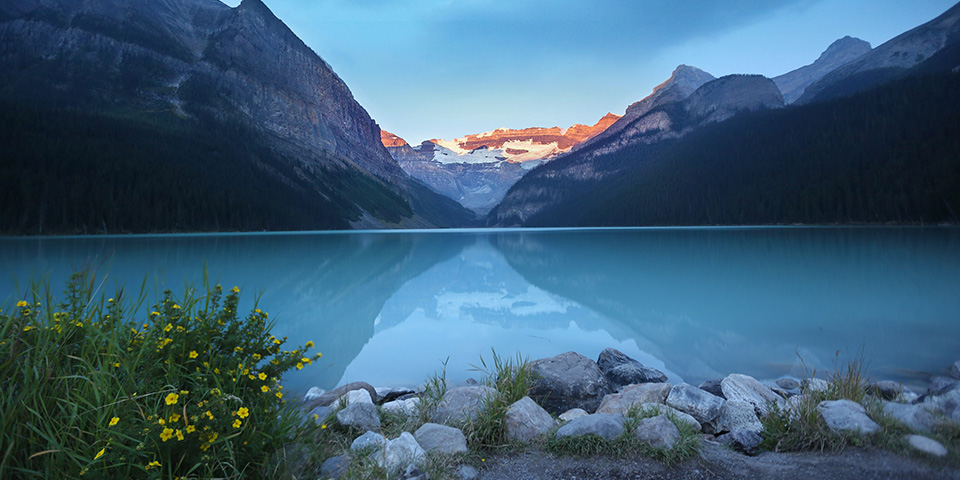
(333, 467)
(788, 384)
(955, 370)
(572, 413)
(703, 406)
(360, 415)
(412, 472)
(622, 370)
(659, 432)
(408, 407)
(738, 415)
(444, 439)
(744, 440)
(713, 387)
(885, 389)
(606, 426)
(369, 440)
(669, 411)
(846, 416)
(926, 445)
(355, 396)
(948, 404)
(385, 394)
(331, 396)
(941, 385)
(566, 381)
(808, 385)
(633, 395)
(525, 420)
(400, 452)
(313, 394)
(748, 389)
(917, 417)
(320, 414)
(467, 472)
(461, 404)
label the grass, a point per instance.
(512, 378)
(96, 387)
(802, 427)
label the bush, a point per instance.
(191, 391)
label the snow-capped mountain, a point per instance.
(517, 146)
(477, 170)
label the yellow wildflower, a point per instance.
(28, 328)
(246, 371)
(179, 435)
(161, 422)
(172, 399)
(155, 313)
(264, 389)
(175, 417)
(263, 376)
(309, 344)
(208, 414)
(22, 303)
(166, 434)
(113, 421)
(237, 423)
(243, 412)
(323, 426)
(299, 366)
(251, 377)
(279, 395)
(176, 307)
(216, 370)
(194, 354)
(191, 429)
(109, 300)
(168, 327)
(100, 453)
(153, 464)
(318, 355)
(256, 356)
(235, 289)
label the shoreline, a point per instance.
(570, 398)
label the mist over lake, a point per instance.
(389, 308)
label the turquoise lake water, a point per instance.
(697, 303)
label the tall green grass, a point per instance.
(93, 386)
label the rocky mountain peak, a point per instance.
(725, 96)
(895, 55)
(685, 77)
(684, 80)
(841, 52)
(390, 140)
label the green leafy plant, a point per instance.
(96, 387)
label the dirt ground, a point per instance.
(718, 462)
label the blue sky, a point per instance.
(446, 68)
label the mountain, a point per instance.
(884, 155)
(478, 182)
(682, 82)
(528, 144)
(477, 170)
(889, 60)
(839, 53)
(208, 118)
(669, 113)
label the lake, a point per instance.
(390, 307)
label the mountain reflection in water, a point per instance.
(698, 303)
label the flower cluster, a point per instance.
(194, 385)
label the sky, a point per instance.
(447, 68)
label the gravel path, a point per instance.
(717, 462)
